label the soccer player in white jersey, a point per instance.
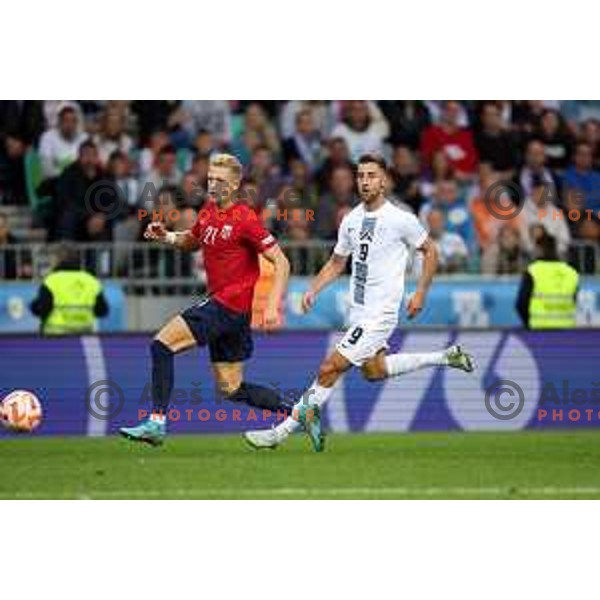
(380, 238)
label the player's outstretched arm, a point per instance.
(430, 265)
(280, 281)
(182, 240)
(331, 270)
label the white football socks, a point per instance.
(396, 364)
(315, 395)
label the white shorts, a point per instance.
(364, 340)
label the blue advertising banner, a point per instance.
(94, 384)
(16, 317)
(469, 302)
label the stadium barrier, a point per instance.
(456, 301)
(92, 385)
(150, 265)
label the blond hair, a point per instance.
(229, 161)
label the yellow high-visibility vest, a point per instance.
(74, 296)
(552, 304)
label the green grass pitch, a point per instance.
(354, 466)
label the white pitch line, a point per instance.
(330, 492)
(96, 369)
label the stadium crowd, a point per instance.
(71, 161)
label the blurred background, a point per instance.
(298, 156)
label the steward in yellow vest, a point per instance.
(548, 293)
(69, 299)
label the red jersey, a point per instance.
(458, 147)
(231, 241)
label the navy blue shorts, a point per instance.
(226, 332)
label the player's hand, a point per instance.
(308, 301)
(415, 304)
(270, 319)
(155, 231)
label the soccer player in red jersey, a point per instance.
(231, 238)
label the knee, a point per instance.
(373, 370)
(328, 374)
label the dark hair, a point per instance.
(66, 109)
(176, 194)
(373, 158)
(117, 155)
(87, 144)
(547, 246)
(66, 251)
(261, 148)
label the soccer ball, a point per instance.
(21, 411)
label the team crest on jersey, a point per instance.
(226, 232)
(367, 230)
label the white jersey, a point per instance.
(381, 243)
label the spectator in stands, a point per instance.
(580, 177)
(194, 192)
(149, 155)
(262, 180)
(506, 254)
(441, 170)
(495, 144)
(540, 209)
(452, 250)
(126, 223)
(338, 155)
(209, 115)
(436, 109)
(53, 108)
(583, 256)
(499, 212)
(362, 134)
(556, 139)
(296, 194)
(164, 173)
(527, 114)
(298, 231)
(454, 141)
(455, 210)
(534, 170)
(200, 170)
(204, 144)
(84, 212)
(305, 143)
(320, 111)
(257, 131)
(392, 197)
(590, 134)
(404, 173)
(59, 146)
(341, 195)
(13, 188)
(153, 116)
(23, 119)
(112, 136)
(14, 263)
(407, 118)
